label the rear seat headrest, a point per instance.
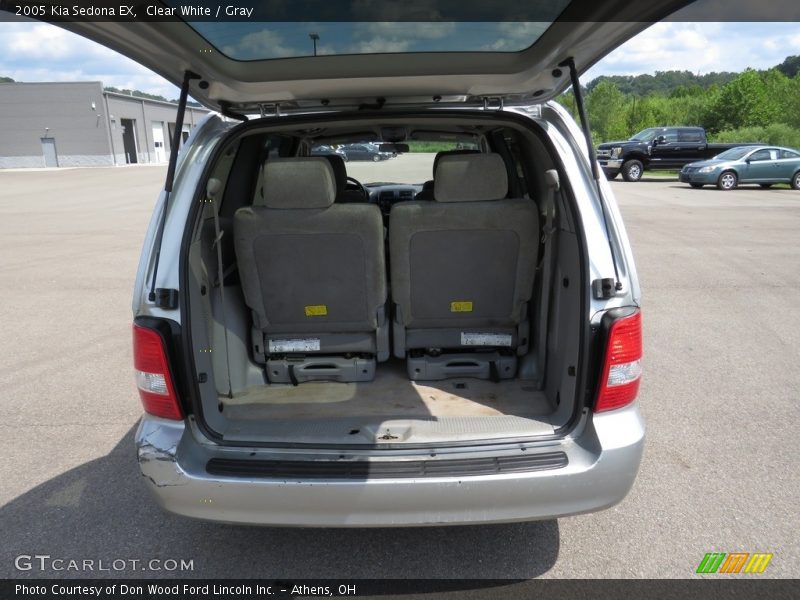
(470, 178)
(297, 183)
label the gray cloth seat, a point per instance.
(426, 193)
(313, 275)
(462, 269)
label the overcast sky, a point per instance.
(33, 51)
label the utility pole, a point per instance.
(314, 37)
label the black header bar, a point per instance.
(744, 588)
(387, 10)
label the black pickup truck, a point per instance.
(657, 148)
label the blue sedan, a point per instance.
(764, 165)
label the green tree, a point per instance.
(606, 108)
(640, 114)
(790, 67)
(749, 106)
(691, 90)
(782, 93)
(663, 82)
(792, 99)
(748, 101)
(567, 100)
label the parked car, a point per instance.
(291, 375)
(364, 152)
(655, 148)
(764, 165)
(324, 150)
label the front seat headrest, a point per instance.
(339, 171)
(440, 155)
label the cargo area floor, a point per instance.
(390, 394)
(454, 407)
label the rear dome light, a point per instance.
(152, 375)
(622, 368)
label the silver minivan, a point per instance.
(452, 335)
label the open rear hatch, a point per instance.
(366, 51)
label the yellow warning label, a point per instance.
(461, 306)
(318, 310)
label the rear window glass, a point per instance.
(789, 154)
(761, 155)
(247, 41)
(690, 135)
(671, 135)
(733, 153)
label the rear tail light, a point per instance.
(622, 368)
(152, 375)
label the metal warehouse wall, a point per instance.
(68, 124)
(147, 117)
(41, 117)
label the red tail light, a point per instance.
(622, 370)
(152, 375)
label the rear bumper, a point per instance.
(704, 178)
(603, 462)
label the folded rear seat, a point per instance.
(313, 275)
(462, 272)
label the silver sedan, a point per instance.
(762, 165)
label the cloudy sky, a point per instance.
(32, 51)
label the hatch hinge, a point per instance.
(270, 109)
(492, 102)
(166, 298)
(604, 289)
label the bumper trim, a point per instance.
(610, 163)
(362, 470)
(602, 462)
(696, 177)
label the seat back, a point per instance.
(426, 193)
(312, 271)
(463, 266)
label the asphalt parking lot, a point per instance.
(720, 275)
